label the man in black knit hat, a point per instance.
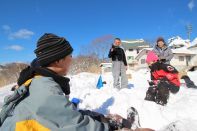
(41, 103)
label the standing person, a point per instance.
(41, 103)
(163, 51)
(119, 64)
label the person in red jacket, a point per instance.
(164, 79)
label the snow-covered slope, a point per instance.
(180, 110)
(194, 42)
(178, 42)
(4, 91)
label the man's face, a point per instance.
(160, 44)
(64, 64)
(117, 42)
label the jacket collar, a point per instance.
(157, 47)
(30, 72)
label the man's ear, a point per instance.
(56, 63)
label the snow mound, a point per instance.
(178, 115)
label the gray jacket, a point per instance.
(46, 108)
(165, 53)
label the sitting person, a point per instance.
(164, 78)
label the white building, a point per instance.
(183, 58)
(132, 49)
(194, 59)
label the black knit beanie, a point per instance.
(51, 48)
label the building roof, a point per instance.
(183, 50)
(142, 52)
(134, 44)
(193, 46)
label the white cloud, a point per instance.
(191, 5)
(6, 27)
(21, 34)
(15, 47)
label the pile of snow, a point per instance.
(4, 91)
(179, 114)
(178, 42)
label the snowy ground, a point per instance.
(180, 110)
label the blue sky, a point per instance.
(22, 22)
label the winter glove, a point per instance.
(115, 117)
(151, 83)
(119, 122)
(162, 59)
(14, 87)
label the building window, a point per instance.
(130, 49)
(188, 58)
(143, 61)
(130, 58)
(181, 58)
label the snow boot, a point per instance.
(162, 94)
(189, 83)
(133, 118)
(151, 93)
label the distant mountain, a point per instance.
(2, 67)
(9, 73)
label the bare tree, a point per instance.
(100, 46)
(84, 63)
(10, 73)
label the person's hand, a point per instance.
(162, 58)
(14, 87)
(125, 129)
(143, 129)
(126, 67)
(115, 117)
(151, 83)
(138, 129)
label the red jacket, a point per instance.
(167, 72)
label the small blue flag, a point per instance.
(99, 83)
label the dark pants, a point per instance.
(189, 83)
(160, 93)
(172, 88)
